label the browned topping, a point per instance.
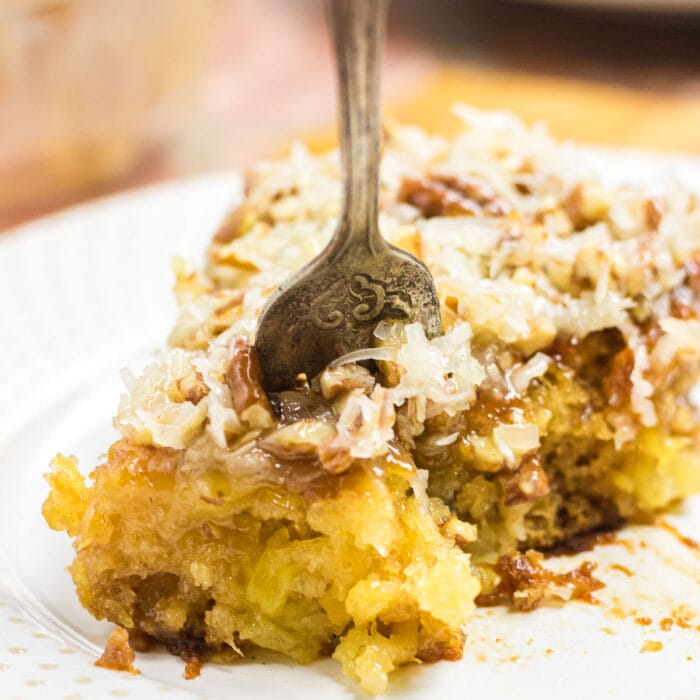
(644, 621)
(653, 211)
(584, 207)
(235, 299)
(564, 349)
(231, 227)
(682, 304)
(244, 378)
(527, 484)
(617, 386)
(692, 273)
(118, 655)
(448, 195)
(526, 583)
(666, 624)
(192, 669)
(651, 645)
(623, 569)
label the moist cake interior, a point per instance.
(365, 512)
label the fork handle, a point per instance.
(358, 34)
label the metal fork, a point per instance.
(332, 306)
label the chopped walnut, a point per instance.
(244, 379)
(118, 655)
(527, 484)
(448, 195)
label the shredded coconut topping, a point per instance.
(525, 247)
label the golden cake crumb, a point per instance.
(118, 654)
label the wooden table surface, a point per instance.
(604, 78)
(576, 109)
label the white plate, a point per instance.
(88, 291)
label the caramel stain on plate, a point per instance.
(623, 569)
(607, 630)
(192, 669)
(666, 624)
(17, 650)
(40, 635)
(651, 645)
(629, 546)
(118, 654)
(4, 667)
(48, 667)
(619, 613)
(549, 651)
(644, 621)
(683, 539)
(35, 682)
(682, 615)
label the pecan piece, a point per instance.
(449, 195)
(617, 386)
(244, 380)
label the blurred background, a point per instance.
(101, 95)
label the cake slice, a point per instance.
(364, 512)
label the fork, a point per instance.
(332, 306)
